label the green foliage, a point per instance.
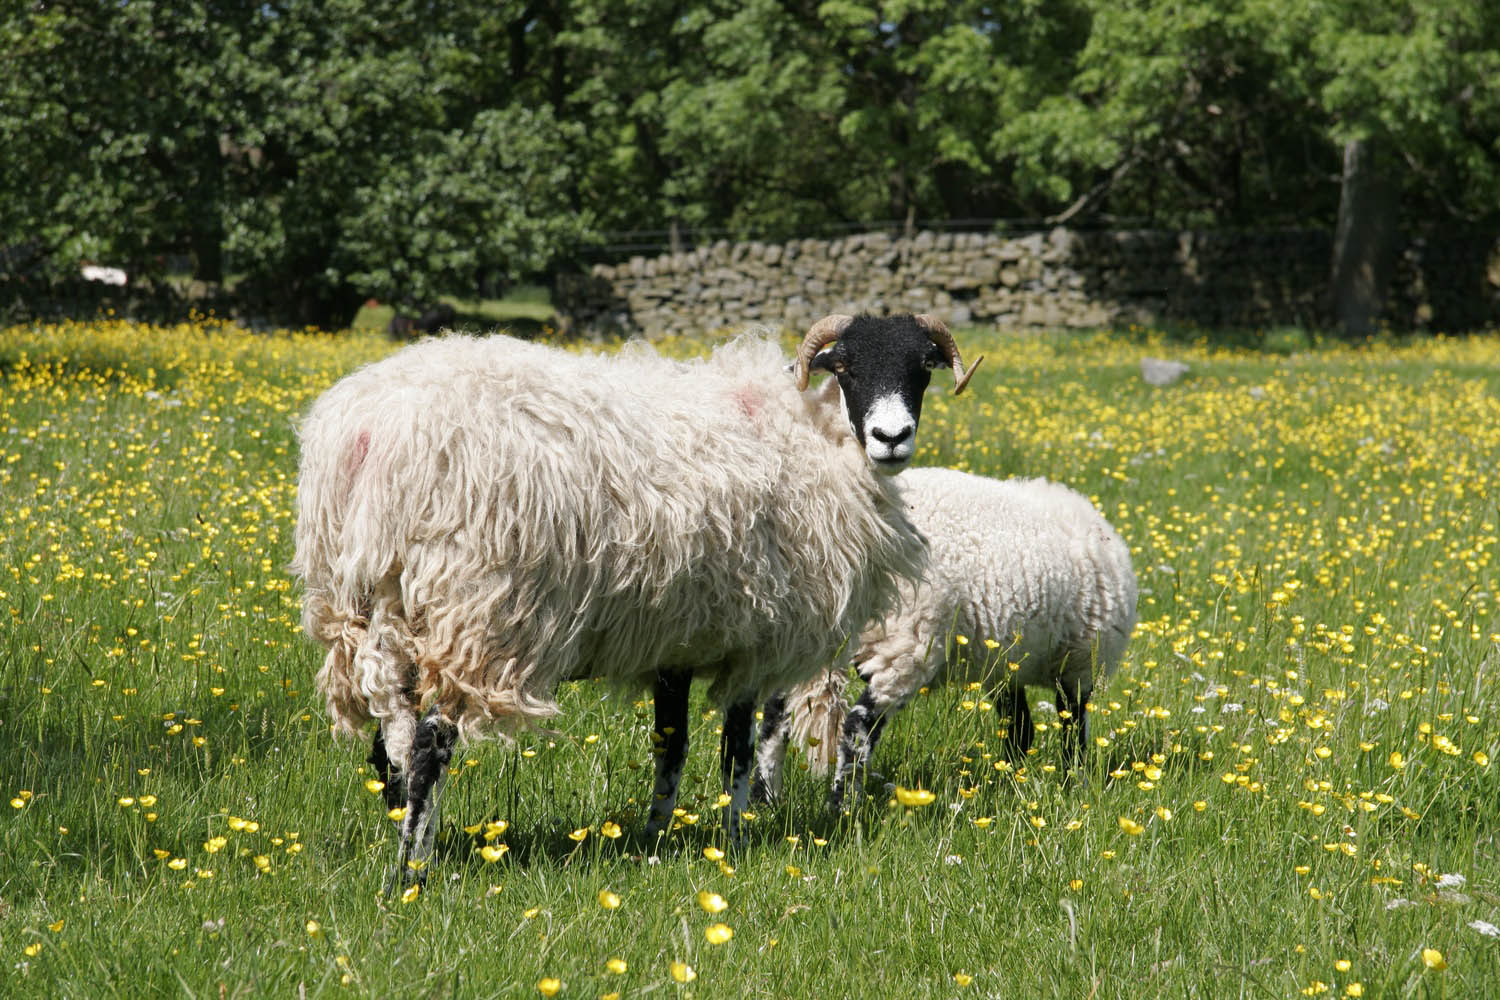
(325, 152)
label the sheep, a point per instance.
(482, 519)
(1026, 565)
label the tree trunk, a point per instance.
(1364, 241)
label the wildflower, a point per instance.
(617, 966)
(718, 933)
(683, 973)
(610, 830)
(57, 927)
(548, 986)
(914, 797)
(314, 929)
(493, 852)
(374, 786)
(412, 892)
(1354, 990)
(1481, 758)
(1396, 761)
(214, 844)
(1434, 960)
(1131, 827)
(33, 950)
(962, 978)
(713, 853)
(712, 902)
(1164, 814)
(983, 822)
(578, 835)
(609, 900)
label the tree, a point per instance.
(326, 151)
(1360, 116)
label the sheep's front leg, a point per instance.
(670, 737)
(770, 749)
(862, 731)
(736, 760)
(431, 749)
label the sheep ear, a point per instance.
(825, 361)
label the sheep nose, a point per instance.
(891, 438)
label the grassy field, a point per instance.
(1292, 793)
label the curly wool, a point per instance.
(481, 519)
(1026, 563)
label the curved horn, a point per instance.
(822, 333)
(944, 340)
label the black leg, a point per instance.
(862, 731)
(1022, 732)
(670, 737)
(431, 749)
(1074, 700)
(736, 760)
(770, 749)
(394, 791)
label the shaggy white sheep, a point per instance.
(1026, 570)
(481, 519)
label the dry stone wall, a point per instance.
(1062, 278)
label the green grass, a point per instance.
(1315, 536)
(527, 311)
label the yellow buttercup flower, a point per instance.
(682, 972)
(548, 986)
(1131, 827)
(712, 902)
(1433, 959)
(914, 797)
(718, 933)
(609, 900)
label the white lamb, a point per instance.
(1026, 570)
(482, 519)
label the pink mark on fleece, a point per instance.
(358, 452)
(749, 400)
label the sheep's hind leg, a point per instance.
(770, 749)
(862, 729)
(394, 790)
(431, 749)
(736, 760)
(670, 737)
(1022, 731)
(1074, 700)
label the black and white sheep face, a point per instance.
(883, 365)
